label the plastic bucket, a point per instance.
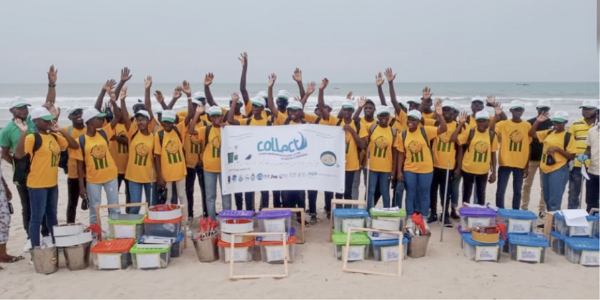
(207, 250)
(417, 246)
(45, 260)
(78, 257)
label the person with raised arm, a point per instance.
(477, 105)
(119, 147)
(76, 129)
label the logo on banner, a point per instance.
(259, 176)
(274, 145)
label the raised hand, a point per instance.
(54, 127)
(159, 96)
(125, 74)
(378, 79)
(349, 96)
(427, 93)
(491, 100)
(113, 96)
(123, 93)
(272, 79)
(297, 75)
(22, 125)
(235, 97)
(52, 75)
(438, 107)
(200, 109)
(177, 92)
(389, 75)
(109, 85)
(324, 84)
(148, 82)
(297, 98)
(243, 59)
(208, 79)
(311, 87)
(462, 118)
(362, 101)
(498, 108)
(186, 88)
(543, 117)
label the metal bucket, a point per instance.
(207, 249)
(78, 257)
(45, 260)
(417, 247)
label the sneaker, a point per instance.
(447, 222)
(542, 214)
(47, 241)
(432, 218)
(27, 246)
(313, 220)
(453, 214)
(328, 215)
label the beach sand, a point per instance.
(444, 273)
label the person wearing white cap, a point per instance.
(477, 104)
(119, 145)
(579, 130)
(282, 101)
(76, 129)
(559, 149)
(479, 157)
(366, 121)
(535, 155)
(43, 148)
(415, 160)
(592, 186)
(514, 151)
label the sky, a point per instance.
(346, 41)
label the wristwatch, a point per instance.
(51, 85)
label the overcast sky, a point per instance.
(347, 41)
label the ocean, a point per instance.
(562, 96)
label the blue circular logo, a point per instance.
(259, 176)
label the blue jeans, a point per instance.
(135, 195)
(94, 191)
(418, 192)
(382, 181)
(503, 175)
(43, 202)
(554, 184)
(574, 187)
(210, 184)
(398, 194)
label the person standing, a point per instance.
(76, 129)
(592, 153)
(535, 155)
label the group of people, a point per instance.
(423, 148)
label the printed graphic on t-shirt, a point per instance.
(195, 144)
(55, 149)
(516, 141)
(122, 148)
(381, 146)
(216, 146)
(416, 151)
(173, 153)
(481, 152)
(141, 154)
(444, 144)
(98, 154)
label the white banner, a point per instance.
(293, 157)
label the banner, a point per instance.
(293, 157)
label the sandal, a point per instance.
(14, 259)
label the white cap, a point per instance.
(197, 102)
(451, 104)
(295, 104)
(169, 116)
(560, 116)
(482, 115)
(199, 95)
(91, 113)
(517, 104)
(283, 94)
(142, 112)
(478, 98)
(383, 110)
(41, 113)
(414, 114)
(72, 110)
(258, 101)
(543, 104)
(589, 104)
(348, 104)
(18, 102)
(214, 110)
(263, 95)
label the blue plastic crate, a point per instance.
(479, 251)
(582, 250)
(530, 248)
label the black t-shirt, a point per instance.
(536, 147)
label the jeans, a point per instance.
(277, 199)
(534, 166)
(554, 187)
(210, 183)
(135, 194)
(398, 194)
(26, 211)
(94, 191)
(356, 184)
(438, 183)
(377, 194)
(43, 203)
(574, 187)
(176, 188)
(73, 194)
(418, 192)
(381, 181)
(592, 187)
(454, 191)
(503, 175)
(480, 181)
(190, 178)
(121, 178)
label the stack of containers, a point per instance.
(516, 222)
(231, 222)
(126, 226)
(583, 251)
(396, 215)
(560, 225)
(271, 246)
(577, 243)
(479, 251)
(384, 246)
(344, 218)
(162, 223)
(76, 243)
(476, 216)
(530, 248)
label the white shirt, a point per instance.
(592, 141)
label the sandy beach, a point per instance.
(444, 273)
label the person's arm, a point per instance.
(390, 78)
(160, 181)
(117, 111)
(272, 107)
(462, 119)
(147, 100)
(51, 96)
(540, 119)
(442, 127)
(20, 149)
(230, 119)
(7, 190)
(379, 82)
(361, 103)
(6, 155)
(161, 100)
(188, 93)
(124, 112)
(459, 158)
(321, 99)
(176, 95)
(493, 168)
(125, 76)
(400, 166)
(491, 101)
(298, 79)
(192, 126)
(310, 88)
(208, 79)
(73, 144)
(498, 116)
(359, 142)
(426, 96)
(244, 60)
(81, 178)
(108, 86)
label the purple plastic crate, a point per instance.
(236, 214)
(481, 216)
(274, 214)
(274, 220)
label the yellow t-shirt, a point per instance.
(281, 118)
(182, 114)
(477, 159)
(555, 140)
(444, 150)
(248, 109)
(400, 122)
(418, 158)
(120, 152)
(141, 157)
(514, 143)
(44, 163)
(193, 146)
(172, 157)
(211, 158)
(99, 164)
(430, 115)
(333, 121)
(381, 145)
(254, 122)
(72, 163)
(473, 123)
(352, 154)
(579, 130)
(367, 126)
(311, 118)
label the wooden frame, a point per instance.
(400, 252)
(302, 218)
(335, 202)
(285, 261)
(145, 205)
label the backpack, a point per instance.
(472, 134)
(394, 132)
(269, 123)
(82, 143)
(405, 132)
(357, 124)
(64, 156)
(23, 165)
(161, 134)
(567, 138)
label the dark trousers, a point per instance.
(592, 187)
(73, 201)
(293, 199)
(503, 175)
(312, 201)
(121, 178)
(43, 205)
(239, 200)
(190, 178)
(26, 211)
(277, 199)
(480, 182)
(438, 185)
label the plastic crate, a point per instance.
(274, 220)
(476, 216)
(243, 252)
(164, 228)
(343, 218)
(235, 214)
(389, 248)
(517, 221)
(557, 241)
(478, 251)
(272, 252)
(176, 247)
(359, 246)
(399, 216)
(150, 258)
(583, 250)
(560, 225)
(529, 248)
(112, 254)
(125, 226)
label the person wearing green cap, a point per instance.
(76, 129)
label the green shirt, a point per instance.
(9, 136)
